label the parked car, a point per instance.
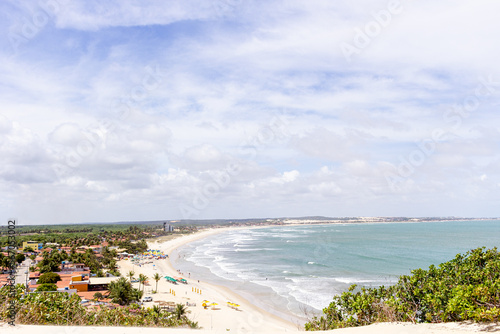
(147, 299)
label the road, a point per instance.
(22, 270)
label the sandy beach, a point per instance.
(247, 317)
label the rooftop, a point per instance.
(102, 280)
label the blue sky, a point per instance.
(149, 110)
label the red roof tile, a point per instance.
(90, 294)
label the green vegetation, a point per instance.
(142, 279)
(20, 258)
(157, 278)
(133, 248)
(98, 296)
(180, 311)
(4, 261)
(49, 278)
(52, 261)
(75, 235)
(46, 287)
(121, 292)
(64, 309)
(465, 288)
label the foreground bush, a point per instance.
(465, 288)
(56, 308)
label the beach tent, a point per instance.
(170, 279)
(180, 279)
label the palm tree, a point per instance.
(157, 277)
(180, 311)
(121, 292)
(142, 279)
(131, 275)
(137, 294)
(112, 265)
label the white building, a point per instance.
(168, 227)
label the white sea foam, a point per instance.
(310, 264)
(255, 249)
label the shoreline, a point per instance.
(248, 317)
(249, 294)
(246, 291)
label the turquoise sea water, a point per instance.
(297, 268)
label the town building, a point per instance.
(168, 227)
(35, 245)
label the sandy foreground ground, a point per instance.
(222, 319)
(382, 328)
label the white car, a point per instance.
(147, 299)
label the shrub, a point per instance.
(46, 287)
(465, 288)
(63, 309)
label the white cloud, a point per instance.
(94, 15)
(141, 105)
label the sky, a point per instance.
(129, 110)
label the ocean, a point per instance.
(298, 269)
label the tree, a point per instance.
(137, 294)
(47, 287)
(20, 258)
(115, 273)
(98, 296)
(180, 311)
(121, 292)
(112, 265)
(142, 279)
(49, 278)
(28, 250)
(50, 262)
(4, 261)
(157, 277)
(131, 275)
